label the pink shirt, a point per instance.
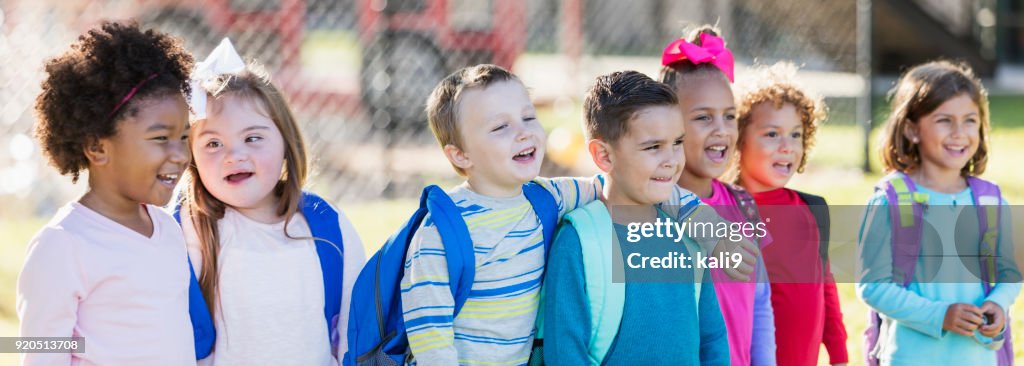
(126, 294)
(737, 299)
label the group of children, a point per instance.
(252, 269)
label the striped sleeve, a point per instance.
(687, 206)
(427, 303)
(572, 192)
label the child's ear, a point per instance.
(600, 151)
(96, 150)
(457, 157)
(910, 131)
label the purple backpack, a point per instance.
(905, 212)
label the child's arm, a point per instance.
(427, 303)
(572, 192)
(762, 347)
(714, 341)
(686, 206)
(834, 337)
(49, 290)
(566, 309)
(1008, 284)
(354, 259)
(875, 284)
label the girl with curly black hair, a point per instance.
(111, 266)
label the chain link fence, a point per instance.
(357, 72)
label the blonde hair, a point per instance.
(919, 92)
(776, 84)
(443, 103)
(205, 209)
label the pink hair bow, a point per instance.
(712, 52)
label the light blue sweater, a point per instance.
(940, 280)
(660, 323)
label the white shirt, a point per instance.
(270, 304)
(127, 294)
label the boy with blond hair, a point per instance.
(486, 124)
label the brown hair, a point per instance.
(443, 103)
(919, 92)
(678, 73)
(205, 209)
(776, 85)
(616, 98)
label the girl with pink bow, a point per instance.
(700, 69)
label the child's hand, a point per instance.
(997, 316)
(745, 269)
(962, 319)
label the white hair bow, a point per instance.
(223, 60)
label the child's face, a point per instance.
(239, 153)
(502, 140)
(772, 147)
(710, 115)
(149, 152)
(646, 162)
(949, 136)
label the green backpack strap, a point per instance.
(593, 224)
(607, 298)
(698, 275)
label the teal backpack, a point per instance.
(607, 298)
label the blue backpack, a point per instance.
(376, 328)
(323, 224)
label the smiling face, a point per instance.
(949, 136)
(502, 140)
(239, 153)
(772, 147)
(146, 157)
(710, 113)
(645, 163)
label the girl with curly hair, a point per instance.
(777, 120)
(111, 266)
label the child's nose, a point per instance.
(960, 129)
(718, 127)
(670, 157)
(180, 153)
(522, 133)
(786, 145)
(237, 154)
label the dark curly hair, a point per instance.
(84, 86)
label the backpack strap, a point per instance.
(323, 225)
(905, 212)
(594, 227)
(458, 245)
(746, 203)
(546, 208)
(987, 199)
(698, 275)
(204, 334)
(819, 209)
